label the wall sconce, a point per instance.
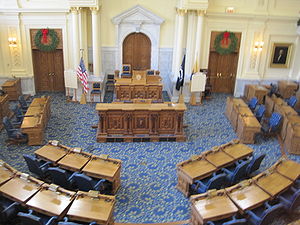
(230, 10)
(258, 45)
(12, 42)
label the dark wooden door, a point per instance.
(137, 51)
(222, 68)
(48, 70)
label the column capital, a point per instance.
(200, 12)
(181, 12)
(74, 10)
(95, 10)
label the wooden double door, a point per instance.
(48, 70)
(222, 68)
(137, 51)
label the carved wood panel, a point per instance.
(167, 121)
(139, 92)
(140, 122)
(137, 51)
(115, 122)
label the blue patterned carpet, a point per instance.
(148, 193)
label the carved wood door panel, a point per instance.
(222, 68)
(137, 51)
(48, 70)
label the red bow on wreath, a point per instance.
(45, 33)
(225, 38)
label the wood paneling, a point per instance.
(222, 68)
(137, 51)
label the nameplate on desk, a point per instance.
(24, 176)
(77, 149)
(1, 163)
(54, 142)
(93, 194)
(104, 156)
(53, 187)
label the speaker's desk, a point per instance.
(87, 208)
(144, 87)
(149, 122)
(211, 206)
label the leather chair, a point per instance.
(15, 136)
(67, 222)
(232, 221)
(236, 173)
(24, 105)
(273, 124)
(215, 182)
(60, 177)
(126, 71)
(32, 219)
(37, 167)
(290, 199)
(85, 183)
(259, 114)
(255, 163)
(8, 209)
(252, 103)
(264, 215)
(292, 101)
(96, 90)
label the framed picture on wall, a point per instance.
(281, 54)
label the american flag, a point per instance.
(82, 75)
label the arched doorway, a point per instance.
(137, 51)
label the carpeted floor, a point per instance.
(148, 193)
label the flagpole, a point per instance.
(83, 95)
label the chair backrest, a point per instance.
(255, 163)
(33, 165)
(275, 121)
(59, 177)
(292, 101)
(22, 102)
(270, 213)
(96, 86)
(240, 171)
(29, 219)
(150, 72)
(295, 200)
(8, 126)
(252, 103)
(260, 112)
(18, 113)
(83, 182)
(216, 181)
(126, 69)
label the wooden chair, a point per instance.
(96, 90)
(126, 70)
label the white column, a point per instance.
(178, 43)
(190, 46)
(75, 37)
(83, 34)
(200, 17)
(96, 41)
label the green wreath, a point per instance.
(231, 48)
(47, 48)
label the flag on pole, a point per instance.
(195, 69)
(180, 79)
(82, 75)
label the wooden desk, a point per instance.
(288, 168)
(238, 151)
(19, 189)
(191, 170)
(6, 172)
(127, 88)
(292, 138)
(109, 169)
(286, 112)
(239, 110)
(87, 209)
(248, 127)
(51, 153)
(247, 197)
(4, 108)
(273, 183)
(133, 122)
(205, 164)
(206, 208)
(231, 111)
(219, 158)
(51, 203)
(74, 161)
(13, 89)
(271, 103)
(34, 125)
(257, 91)
(287, 88)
